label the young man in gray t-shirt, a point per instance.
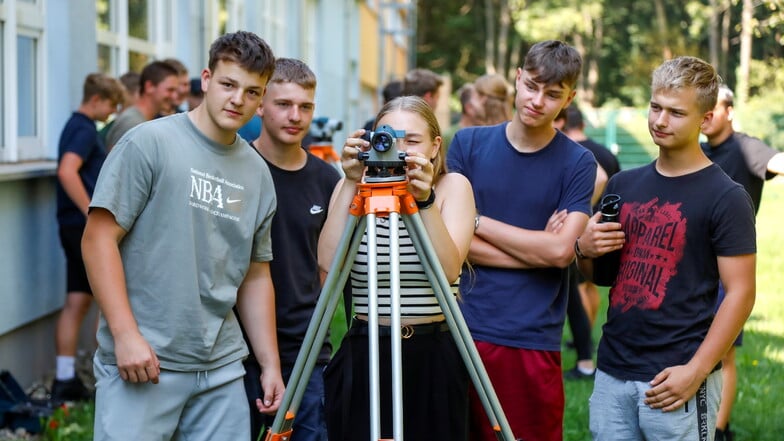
(178, 234)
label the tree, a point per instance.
(621, 42)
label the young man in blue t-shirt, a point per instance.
(659, 359)
(533, 188)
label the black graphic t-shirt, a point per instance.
(664, 295)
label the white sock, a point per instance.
(65, 367)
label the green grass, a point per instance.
(757, 414)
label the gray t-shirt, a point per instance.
(196, 214)
(128, 119)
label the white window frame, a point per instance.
(159, 20)
(274, 17)
(22, 18)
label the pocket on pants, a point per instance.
(104, 372)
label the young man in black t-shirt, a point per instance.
(303, 186)
(659, 358)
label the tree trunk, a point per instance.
(742, 91)
(505, 19)
(713, 33)
(661, 22)
(582, 91)
(726, 21)
(489, 37)
(593, 64)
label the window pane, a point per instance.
(106, 59)
(104, 9)
(138, 25)
(26, 71)
(137, 61)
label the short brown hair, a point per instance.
(290, 70)
(554, 62)
(247, 49)
(177, 65)
(156, 72)
(104, 86)
(421, 81)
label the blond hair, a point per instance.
(498, 97)
(684, 72)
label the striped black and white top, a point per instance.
(416, 294)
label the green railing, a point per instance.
(625, 132)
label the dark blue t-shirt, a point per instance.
(79, 136)
(519, 308)
(664, 295)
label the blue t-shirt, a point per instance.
(664, 294)
(516, 307)
(79, 136)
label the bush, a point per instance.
(74, 423)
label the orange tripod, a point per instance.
(387, 199)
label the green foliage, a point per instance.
(763, 115)
(633, 39)
(70, 423)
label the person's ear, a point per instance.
(436, 147)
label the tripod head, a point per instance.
(322, 129)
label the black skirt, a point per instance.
(435, 387)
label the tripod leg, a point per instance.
(373, 346)
(458, 327)
(395, 326)
(317, 328)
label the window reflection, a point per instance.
(138, 19)
(27, 74)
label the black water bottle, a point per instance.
(610, 206)
(605, 268)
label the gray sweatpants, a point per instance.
(193, 406)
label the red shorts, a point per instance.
(529, 385)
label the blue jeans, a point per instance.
(618, 412)
(309, 423)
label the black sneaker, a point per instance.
(577, 374)
(70, 390)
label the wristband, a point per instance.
(577, 251)
(427, 203)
